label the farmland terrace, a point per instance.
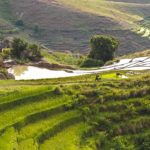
(66, 26)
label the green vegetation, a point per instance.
(89, 62)
(102, 50)
(62, 58)
(76, 113)
(103, 47)
(22, 50)
(19, 23)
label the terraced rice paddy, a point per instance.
(74, 113)
(144, 32)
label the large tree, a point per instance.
(103, 47)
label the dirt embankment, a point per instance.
(39, 63)
(43, 64)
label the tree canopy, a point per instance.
(103, 47)
(23, 50)
(18, 46)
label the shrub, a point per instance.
(23, 50)
(89, 62)
(120, 143)
(143, 142)
(58, 91)
(19, 23)
(36, 29)
(33, 51)
(6, 52)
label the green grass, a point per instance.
(8, 140)
(69, 139)
(62, 58)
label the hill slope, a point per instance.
(75, 113)
(68, 25)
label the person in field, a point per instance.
(97, 77)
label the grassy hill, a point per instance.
(75, 113)
(77, 23)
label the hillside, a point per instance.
(75, 113)
(68, 25)
(53, 96)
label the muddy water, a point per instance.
(30, 72)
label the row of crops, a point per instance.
(75, 114)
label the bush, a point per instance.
(24, 51)
(36, 29)
(89, 62)
(143, 142)
(19, 23)
(58, 91)
(6, 52)
(33, 51)
(121, 143)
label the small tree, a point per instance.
(36, 29)
(103, 47)
(34, 51)
(18, 46)
(19, 23)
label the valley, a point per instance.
(77, 23)
(74, 75)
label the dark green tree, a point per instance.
(19, 23)
(36, 29)
(18, 47)
(103, 47)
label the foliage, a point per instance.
(58, 91)
(18, 47)
(120, 143)
(19, 23)
(33, 51)
(23, 50)
(89, 62)
(62, 58)
(36, 29)
(6, 53)
(115, 113)
(1, 59)
(103, 47)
